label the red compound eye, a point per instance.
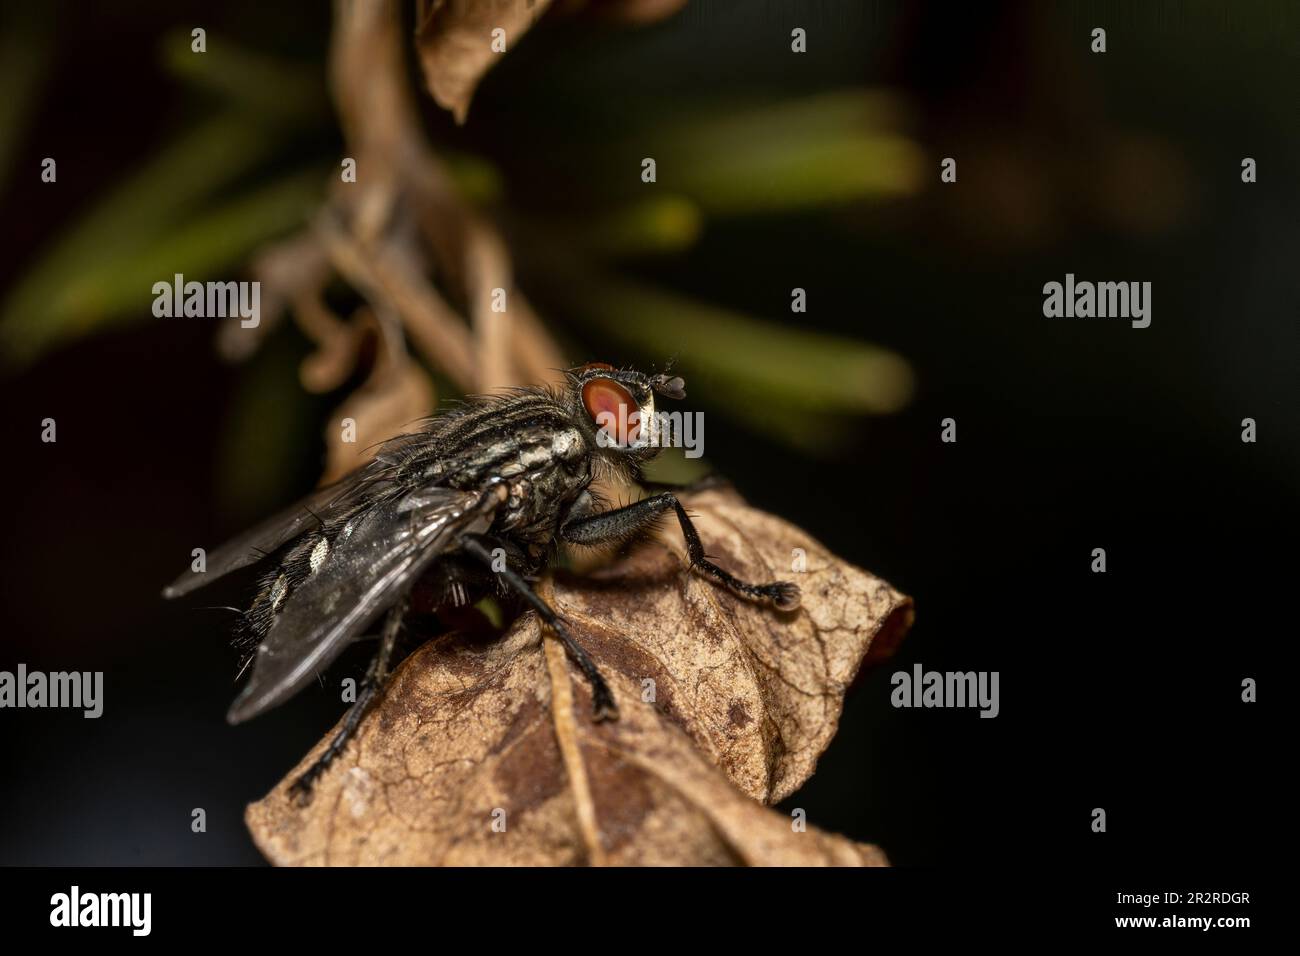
(591, 365)
(611, 407)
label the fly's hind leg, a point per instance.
(602, 701)
(371, 685)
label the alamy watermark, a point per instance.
(78, 690)
(209, 300)
(1098, 300)
(665, 430)
(922, 688)
(76, 908)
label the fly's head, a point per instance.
(616, 408)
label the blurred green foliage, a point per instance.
(218, 191)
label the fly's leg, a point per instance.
(602, 701)
(371, 684)
(622, 524)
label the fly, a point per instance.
(504, 475)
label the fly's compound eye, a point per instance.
(613, 409)
(603, 366)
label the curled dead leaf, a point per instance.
(724, 706)
(455, 42)
(626, 11)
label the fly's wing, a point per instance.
(257, 543)
(369, 566)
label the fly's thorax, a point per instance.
(546, 475)
(529, 440)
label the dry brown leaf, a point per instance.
(454, 37)
(745, 700)
(626, 11)
(454, 40)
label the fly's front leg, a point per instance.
(371, 685)
(602, 701)
(622, 524)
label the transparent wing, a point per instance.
(368, 569)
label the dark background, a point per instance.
(1119, 691)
